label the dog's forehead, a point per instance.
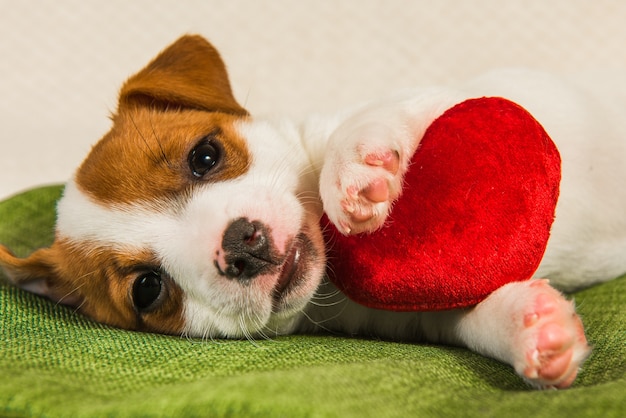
(145, 156)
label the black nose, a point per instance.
(246, 248)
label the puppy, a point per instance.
(191, 217)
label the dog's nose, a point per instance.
(246, 247)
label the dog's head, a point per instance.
(189, 216)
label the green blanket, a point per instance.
(54, 362)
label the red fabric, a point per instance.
(475, 213)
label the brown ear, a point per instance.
(38, 273)
(189, 74)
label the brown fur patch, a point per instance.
(145, 156)
(98, 282)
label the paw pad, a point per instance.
(556, 340)
(368, 195)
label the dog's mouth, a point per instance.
(291, 273)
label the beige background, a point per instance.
(62, 61)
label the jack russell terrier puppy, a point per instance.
(191, 217)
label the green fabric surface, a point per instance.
(54, 363)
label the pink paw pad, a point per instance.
(361, 203)
(378, 189)
(560, 344)
(388, 160)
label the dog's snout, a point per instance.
(247, 249)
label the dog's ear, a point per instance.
(189, 74)
(39, 273)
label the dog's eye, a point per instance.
(203, 157)
(146, 290)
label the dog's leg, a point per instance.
(528, 325)
(368, 154)
(370, 179)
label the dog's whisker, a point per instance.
(207, 335)
(74, 290)
(319, 324)
(307, 196)
(305, 171)
(150, 154)
(211, 333)
(327, 305)
(245, 331)
(259, 325)
(79, 307)
(159, 143)
(327, 295)
(261, 332)
(185, 335)
(308, 199)
(320, 298)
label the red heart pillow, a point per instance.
(475, 213)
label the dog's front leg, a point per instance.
(368, 153)
(528, 325)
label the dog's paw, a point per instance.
(552, 343)
(358, 186)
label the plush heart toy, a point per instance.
(475, 213)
